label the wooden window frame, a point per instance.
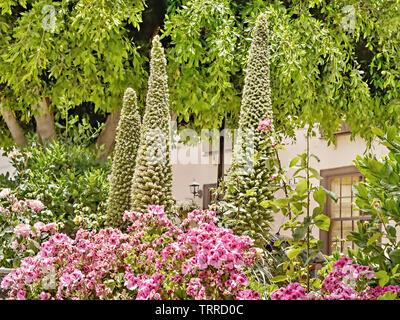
(207, 198)
(327, 175)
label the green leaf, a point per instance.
(388, 296)
(294, 161)
(395, 269)
(391, 231)
(322, 222)
(293, 253)
(315, 173)
(299, 233)
(301, 186)
(331, 194)
(378, 132)
(391, 133)
(320, 196)
(281, 202)
(383, 277)
(395, 256)
(374, 238)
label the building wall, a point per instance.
(334, 156)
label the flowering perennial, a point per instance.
(155, 260)
(340, 284)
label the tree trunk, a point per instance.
(106, 140)
(14, 127)
(45, 121)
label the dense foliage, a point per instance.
(65, 176)
(24, 224)
(124, 160)
(301, 248)
(152, 179)
(378, 201)
(329, 60)
(75, 50)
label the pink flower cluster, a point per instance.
(341, 281)
(23, 230)
(374, 293)
(26, 230)
(156, 260)
(208, 255)
(248, 295)
(265, 125)
(65, 268)
(294, 291)
(35, 205)
(340, 284)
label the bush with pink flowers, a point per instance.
(154, 260)
(346, 281)
(22, 228)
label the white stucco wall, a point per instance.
(342, 154)
(333, 156)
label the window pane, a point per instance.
(335, 235)
(346, 186)
(335, 186)
(346, 207)
(356, 212)
(334, 209)
(347, 228)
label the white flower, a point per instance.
(5, 193)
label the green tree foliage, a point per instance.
(73, 51)
(203, 62)
(123, 167)
(152, 180)
(251, 177)
(330, 60)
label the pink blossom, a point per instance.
(265, 125)
(35, 205)
(23, 230)
(14, 245)
(21, 294)
(44, 296)
(154, 257)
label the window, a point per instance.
(344, 129)
(342, 214)
(208, 197)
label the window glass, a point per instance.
(343, 216)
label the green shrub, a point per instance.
(378, 198)
(22, 229)
(65, 177)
